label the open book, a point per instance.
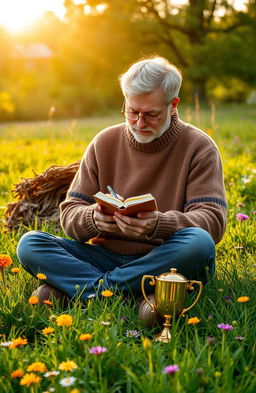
(129, 207)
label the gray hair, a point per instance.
(150, 74)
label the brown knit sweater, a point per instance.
(182, 169)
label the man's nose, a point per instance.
(141, 123)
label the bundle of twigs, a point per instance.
(38, 198)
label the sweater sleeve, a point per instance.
(205, 201)
(76, 212)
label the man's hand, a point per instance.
(104, 222)
(142, 225)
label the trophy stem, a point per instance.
(165, 335)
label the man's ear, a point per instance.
(174, 104)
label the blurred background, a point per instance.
(62, 59)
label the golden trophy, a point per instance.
(170, 296)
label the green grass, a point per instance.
(225, 365)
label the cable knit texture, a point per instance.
(182, 169)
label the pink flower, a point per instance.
(254, 212)
(225, 326)
(171, 369)
(97, 350)
(242, 217)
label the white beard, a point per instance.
(149, 138)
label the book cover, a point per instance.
(129, 207)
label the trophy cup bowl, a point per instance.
(169, 298)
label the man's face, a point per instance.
(144, 130)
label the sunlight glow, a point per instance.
(17, 15)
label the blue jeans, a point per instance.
(70, 265)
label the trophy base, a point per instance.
(164, 336)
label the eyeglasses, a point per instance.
(147, 117)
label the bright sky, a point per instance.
(17, 15)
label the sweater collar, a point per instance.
(167, 139)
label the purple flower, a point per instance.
(97, 350)
(225, 326)
(132, 333)
(122, 319)
(227, 298)
(172, 369)
(242, 217)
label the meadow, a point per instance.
(101, 345)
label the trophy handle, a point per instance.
(152, 282)
(190, 286)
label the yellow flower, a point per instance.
(48, 302)
(146, 342)
(69, 365)
(85, 337)
(217, 374)
(30, 378)
(193, 321)
(243, 299)
(47, 330)
(41, 276)
(16, 373)
(5, 260)
(18, 342)
(64, 320)
(75, 391)
(15, 270)
(107, 293)
(37, 367)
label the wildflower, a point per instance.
(33, 300)
(51, 374)
(193, 321)
(227, 298)
(122, 319)
(225, 326)
(5, 260)
(64, 320)
(6, 343)
(210, 316)
(67, 381)
(47, 330)
(30, 378)
(242, 217)
(106, 323)
(240, 204)
(239, 338)
(101, 281)
(172, 369)
(254, 212)
(210, 340)
(217, 374)
(146, 343)
(18, 342)
(15, 270)
(69, 365)
(37, 367)
(85, 337)
(243, 299)
(41, 276)
(97, 350)
(48, 302)
(92, 295)
(107, 293)
(17, 373)
(132, 333)
(74, 391)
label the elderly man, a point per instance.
(152, 152)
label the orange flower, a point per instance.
(5, 260)
(41, 276)
(64, 320)
(107, 293)
(48, 302)
(85, 337)
(16, 373)
(18, 342)
(69, 365)
(47, 330)
(15, 270)
(37, 367)
(33, 300)
(30, 378)
(193, 321)
(243, 299)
